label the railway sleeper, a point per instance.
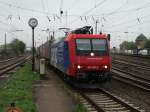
(101, 98)
(98, 96)
(103, 101)
(91, 109)
(115, 109)
(110, 106)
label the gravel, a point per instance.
(129, 93)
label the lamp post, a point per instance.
(33, 23)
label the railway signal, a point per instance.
(33, 22)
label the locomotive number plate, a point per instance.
(92, 67)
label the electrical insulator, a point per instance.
(61, 12)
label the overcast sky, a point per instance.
(123, 19)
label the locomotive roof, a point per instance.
(73, 36)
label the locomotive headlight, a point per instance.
(92, 54)
(78, 66)
(105, 66)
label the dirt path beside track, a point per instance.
(51, 97)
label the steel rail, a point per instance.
(103, 101)
(126, 78)
(12, 66)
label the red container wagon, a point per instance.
(44, 50)
(82, 56)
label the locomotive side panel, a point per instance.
(60, 56)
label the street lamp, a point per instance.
(33, 23)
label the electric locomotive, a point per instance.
(82, 55)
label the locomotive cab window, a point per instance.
(99, 46)
(86, 46)
(83, 44)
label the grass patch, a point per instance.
(80, 108)
(18, 88)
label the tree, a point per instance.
(127, 45)
(22, 47)
(123, 45)
(18, 46)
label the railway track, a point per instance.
(131, 80)
(139, 66)
(8, 67)
(99, 100)
(3, 61)
(137, 71)
(103, 101)
(9, 61)
(130, 72)
(133, 60)
(133, 55)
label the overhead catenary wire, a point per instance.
(61, 7)
(124, 32)
(130, 26)
(146, 22)
(116, 10)
(49, 19)
(43, 6)
(113, 12)
(88, 11)
(147, 5)
(96, 6)
(80, 16)
(125, 22)
(6, 24)
(23, 8)
(44, 10)
(51, 14)
(73, 4)
(19, 17)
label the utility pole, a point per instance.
(5, 46)
(96, 26)
(66, 18)
(33, 50)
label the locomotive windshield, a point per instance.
(83, 44)
(86, 46)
